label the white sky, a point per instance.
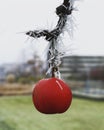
(23, 15)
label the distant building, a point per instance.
(83, 67)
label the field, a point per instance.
(15, 89)
(18, 113)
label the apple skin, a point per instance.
(51, 96)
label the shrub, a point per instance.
(11, 78)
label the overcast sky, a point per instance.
(22, 15)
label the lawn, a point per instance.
(18, 113)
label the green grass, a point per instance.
(18, 113)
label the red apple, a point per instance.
(51, 96)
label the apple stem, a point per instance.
(52, 64)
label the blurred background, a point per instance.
(23, 63)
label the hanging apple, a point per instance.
(51, 96)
